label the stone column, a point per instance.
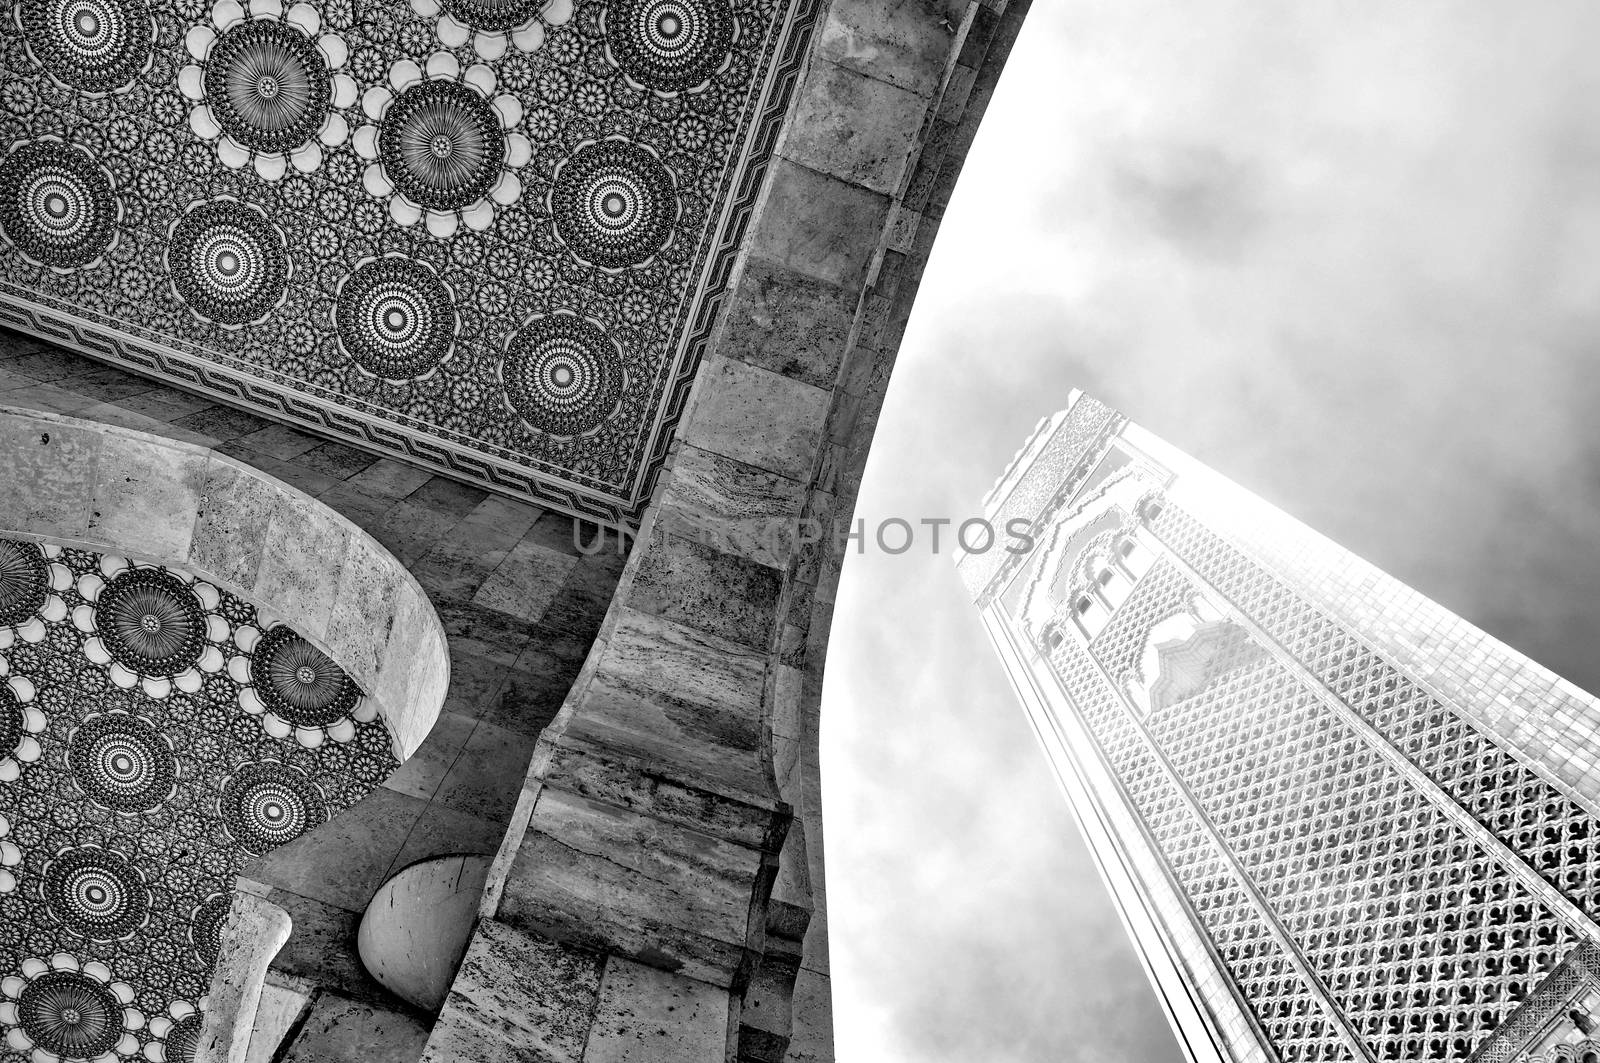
(252, 934)
(654, 896)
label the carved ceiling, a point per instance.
(156, 733)
(487, 235)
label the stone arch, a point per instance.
(172, 726)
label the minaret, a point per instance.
(1340, 822)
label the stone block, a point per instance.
(788, 322)
(344, 861)
(687, 583)
(340, 1030)
(735, 507)
(421, 775)
(517, 999)
(679, 700)
(301, 564)
(365, 605)
(146, 494)
(905, 44)
(818, 225)
(854, 127)
(236, 508)
(47, 478)
(487, 775)
(603, 877)
(647, 1015)
(524, 584)
(762, 419)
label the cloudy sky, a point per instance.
(1343, 252)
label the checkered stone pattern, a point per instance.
(1423, 940)
(1284, 1005)
(1553, 834)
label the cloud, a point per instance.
(1346, 257)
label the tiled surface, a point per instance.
(519, 603)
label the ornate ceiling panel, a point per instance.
(488, 235)
(155, 735)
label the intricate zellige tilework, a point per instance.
(155, 735)
(488, 236)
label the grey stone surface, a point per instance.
(645, 1015)
(854, 127)
(415, 932)
(252, 934)
(518, 999)
(340, 1030)
(145, 496)
(756, 416)
(787, 322)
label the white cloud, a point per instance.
(1345, 253)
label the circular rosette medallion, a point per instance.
(205, 927)
(267, 88)
(267, 85)
(269, 804)
(63, 1011)
(228, 262)
(96, 893)
(122, 762)
(56, 205)
(95, 46)
(613, 204)
(182, 1040)
(494, 16)
(441, 145)
(396, 318)
(24, 582)
(562, 374)
(669, 45)
(299, 684)
(151, 622)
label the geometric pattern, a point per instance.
(491, 235)
(1273, 810)
(151, 786)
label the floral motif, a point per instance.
(562, 374)
(442, 145)
(669, 46)
(396, 318)
(176, 1034)
(150, 626)
(96, 893)
(228, 262)
(494, 25)
(64, 1010)
(20, 721)
(31, 580)
(296, 689)
(93, 46)
(613, 204)
(266, 86)
(57, 205)
(268, 804)
(122, 762)
(10, 856)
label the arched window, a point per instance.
(1133, 557)
(1089, 614)
(1112, 583)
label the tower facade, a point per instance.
(1340, 822)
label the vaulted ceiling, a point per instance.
(156, 733)
(487, 235)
